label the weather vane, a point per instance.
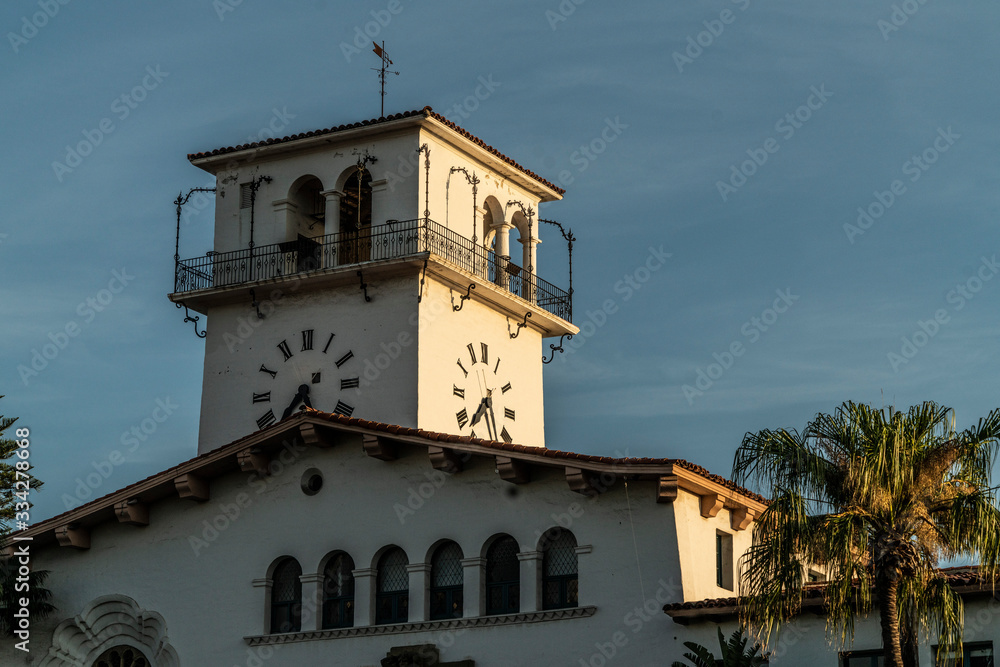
(380, 52)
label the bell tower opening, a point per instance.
(308, 223)
(356, 218)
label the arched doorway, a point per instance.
(356, 218)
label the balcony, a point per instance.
(393, 240)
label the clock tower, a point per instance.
(383, 270)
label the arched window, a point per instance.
(338, 592)
(286, 597)
(392, 599)
(121, 656)
(503, 577)
(446, 582)
(559, 570)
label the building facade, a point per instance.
(372, 485)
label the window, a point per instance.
(246, 192)
(338, 592)
(503, 577)
(286, 597)
(559, 570)
(724, 560)
(446, 582)
(862, 659)
(979, 654)
(121, 656)
(816, 577)
(393, 597)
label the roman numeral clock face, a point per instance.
(308, 369)
(483, 396)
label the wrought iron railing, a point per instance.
(393, 240)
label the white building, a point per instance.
(369, 272)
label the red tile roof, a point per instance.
(958, 577)
(216, 459)
(426, 112)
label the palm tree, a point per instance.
(13, 503)
(877, 498)
(734, 653)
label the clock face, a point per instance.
(483, 395)
(307, 369)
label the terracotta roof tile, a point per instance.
(427, 112)
(956, 576)
(404, 431)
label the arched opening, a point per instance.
(447, 577)
(560, 576)
(305, 222)
(392, 597)
(503, 576)
(338, 592)
(495, 240)
(121, 656)
(286, 597)
(356, 218)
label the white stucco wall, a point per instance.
(444, 335)
(332, 164)
(238, 343)
(806, 641)
(199, 577)
(696, 537)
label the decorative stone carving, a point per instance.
(253, 460)
(422, 655)
(133, 512)
(77, 537)
(446, 460)
(193, 487)
(711, 505)
(107, 622)
(666, 492)
(513, 470)
(582, 481)
(379, 448)
(740, 518)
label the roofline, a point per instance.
(965, 581)
(208, 159)
(191, 479)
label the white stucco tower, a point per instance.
(384, 270)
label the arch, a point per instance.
(520, 223)
(286, 596)
(392, 587)
(106, 623)
(447, 580)
(122, 656)
(492, 216)
(503, 575)
(560, 569)
(355, 216)
(338, 590)
(310, 205)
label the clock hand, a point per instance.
(491, 418)
(480, 411)
(301, 397)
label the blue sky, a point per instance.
(746, 136)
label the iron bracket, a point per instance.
(255, 304)
(557, 348)
(462, 299)
(521, 325)
(423, 276)
(364, 287)
(189, 318)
